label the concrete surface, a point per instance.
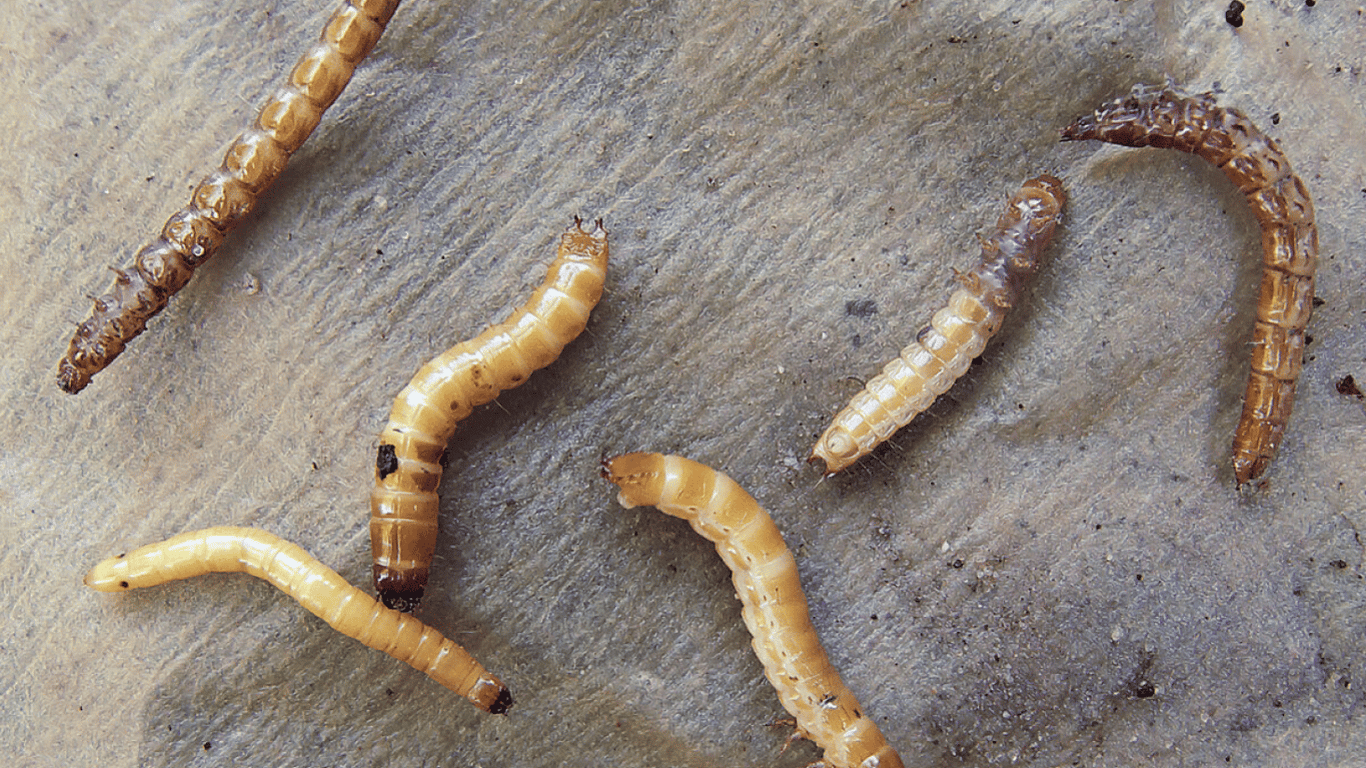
(1002, 585)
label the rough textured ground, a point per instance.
(1051, 567)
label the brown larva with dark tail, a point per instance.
(775, 610)
(943, 350)
(318, 588)
(404, 503)
(1163, 117)
(224, 198)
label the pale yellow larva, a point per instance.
(1163, 117)
(318, 588)
(403, 503)
(224, 198)
(943, 350)
(775, 611)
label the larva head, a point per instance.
(70, 378)
(1132, 121)
(1049, 191)
(88, 353)
(1247, 468)
(109, 576)
(837, 448)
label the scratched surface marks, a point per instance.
(787, 192)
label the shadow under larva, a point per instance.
(943, 349)
(403, 504)
(1153, 116)
(775, 610)
(318, 588)
(253, 162)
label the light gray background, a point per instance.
(760, 166)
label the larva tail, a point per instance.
(403, 502)
(1163, 117)
(942, 351)
(317, 588)
(224, 198)
(639, 476)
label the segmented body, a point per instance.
(1163, 117)
(225, 197)
(775, 610)
(404, 503)
(318, 588)
(943, 350)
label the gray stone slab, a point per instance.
(1002, 584)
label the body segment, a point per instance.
(775, 610)
(1166, 118)
(224, 198)
(404, 502)
(318, 588)
(943, 350)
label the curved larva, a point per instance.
(1162, 117)
(765, 576)
(404, 504)
(943, 350)
(318, 588)
(224, 198)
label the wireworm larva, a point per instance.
(318, 588)
(1154, 116)
(943, 350)
(404, 503)
(224, 198)
(765, 576)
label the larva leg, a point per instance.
(404, 503)
(765, 576)
(225, 197)
(943, 350)
(317, 588)
(1163, 117)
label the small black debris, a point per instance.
(1234, 14)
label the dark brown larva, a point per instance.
(1153, 116)
(775, 610)
(318, 588)
(943, 350)
(225, 197)
(403, 503)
